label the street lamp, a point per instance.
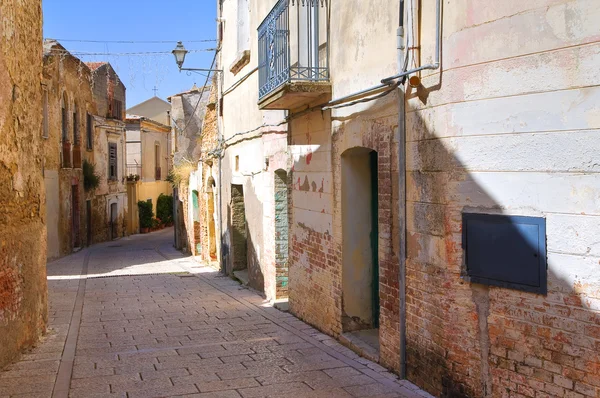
(180, 52)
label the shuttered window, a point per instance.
(112, 161)
(88, 132)
(75, 128)
(116, 110)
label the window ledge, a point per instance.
(241, 60)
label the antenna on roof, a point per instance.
(155, 90)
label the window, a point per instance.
(75, 127)
(45, 125)
(112, 161)
(157, 170)
(506, 251)
(88, 132)
(243, 26)
(65, 119)
(116, 110)
(237, 163)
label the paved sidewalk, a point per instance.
(135, 318)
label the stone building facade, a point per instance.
(194, 135)
(23, 297)
(83, 123)
(106, 149)
(148, 158)
(68, 100)
(493, 144)
(254, 158)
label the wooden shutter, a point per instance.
(112, 161)
(88, 131)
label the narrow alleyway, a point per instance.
(135, 318)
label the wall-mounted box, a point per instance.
(506, 251)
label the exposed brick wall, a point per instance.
(316, 257)
(23, 289)
(521, 149)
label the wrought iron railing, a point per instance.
(293, 44)
(134, 169)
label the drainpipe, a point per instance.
(438, 47)
(388, 82)
(220, 138)
(402, 190)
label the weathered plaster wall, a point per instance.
(23, 305)
(365, 42)
(509, 126)
(107, 86)
(255, 146)
(187, 111)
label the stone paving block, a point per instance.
(371, 390)
(196, 378)
(162, 392)
(165, 335)
(276, 390)
(215, 394)
(233, 384)
(27, 385)
(187, 361)
(252, 372)
(270, 379)
(338, 382)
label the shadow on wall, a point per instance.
(468, 339)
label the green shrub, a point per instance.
(146, 214)
(91, 180)
(164, 208)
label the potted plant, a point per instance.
(146, 216)
(164, 210)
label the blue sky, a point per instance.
(137, 20)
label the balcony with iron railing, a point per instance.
(293, 54)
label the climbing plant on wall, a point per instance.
(91, 180)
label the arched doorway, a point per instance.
(197, 244)
(360, 232)
(210, 217)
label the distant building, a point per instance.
(187, 113)
(154, 108)
(195, 136)
(148, 162)
(106, 148)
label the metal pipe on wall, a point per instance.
(402, 64)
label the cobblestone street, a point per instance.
(135, 318)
